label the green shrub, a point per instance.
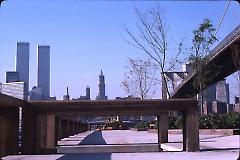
(220, 121)
(141, 125)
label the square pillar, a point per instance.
(78, 127)
(75, 127)
(28, 130)
(191, 130)
(65, 128)
(71, 126)
(159, 133)
(9, 121)
(58, 129)
(164, 126)
(45, 133)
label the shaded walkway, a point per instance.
(95, 138)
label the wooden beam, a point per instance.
(112, 107)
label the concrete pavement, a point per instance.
(214, 147)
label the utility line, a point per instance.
(224, 13)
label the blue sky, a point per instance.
(86, 37)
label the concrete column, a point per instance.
(45, 133)
(28, 130)
(191, 130)
(159, 133)
(65, 128)
(71, 126)
(164, 126)
(9, 119)
(58, 129)
(184, 129)
(75, 127)
(79, 127)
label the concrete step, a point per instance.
(74, 140)
(129, 148)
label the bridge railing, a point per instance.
(225, 42)
(231, 38)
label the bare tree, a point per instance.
(151, 38)
(140, 79)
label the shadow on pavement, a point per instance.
(95, 138)
(85, 156)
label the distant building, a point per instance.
(22, 62)
(12, 76)
(44, 70)
(187, 68)
(222, 92)
(218, 91)
(128, 97)
(86, 97)
(36, 94)
(66, 97)
(101, 93)
(15, 89)
(52, 98)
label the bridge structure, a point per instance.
(223, 61)
(46, 122)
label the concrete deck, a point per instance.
(214, 147)
(211, 155)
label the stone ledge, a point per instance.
(134, 148)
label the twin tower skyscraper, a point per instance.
(43, 66)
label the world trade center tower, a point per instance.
(44, 70)
(22, 62)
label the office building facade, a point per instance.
(15, 89)
(44, 70)
(35, 94)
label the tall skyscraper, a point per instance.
(44, 70)
(22, 62)
(88, 93)
(101, 93)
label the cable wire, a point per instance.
(224, 13)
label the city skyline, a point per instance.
(83, 42)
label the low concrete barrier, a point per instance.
(222, 132)
(108, 148)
